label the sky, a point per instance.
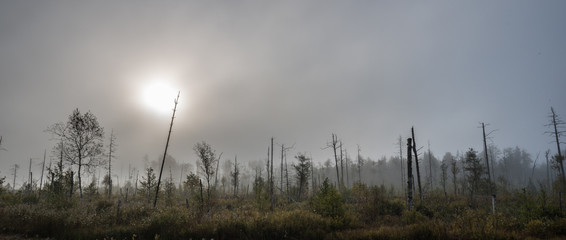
(297, 71)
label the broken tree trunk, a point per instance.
(409, 174)
(417, 165)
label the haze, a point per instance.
(294, 70)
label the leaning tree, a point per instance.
(82, 138)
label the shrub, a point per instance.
(327, 201)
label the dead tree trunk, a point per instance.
(417, 165)
(359, 166)
(281, 177)
(430, 167)
(486, 161)
(409, 174)
(271, 184)
(341, 166)
(334, 147)
(42, 169)
(165, 153)
(347, 172)
(402, 169)
(555, 123)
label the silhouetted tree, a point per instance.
(82, 138)
(556, 124)
(207, 158)
(148, 183)
(111, 149)
(235, 176)
(474, 170)
(302, 170)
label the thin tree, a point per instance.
(148, 183)
(556, 123)
(42, 170)
(444, 175)
(454, 170)
(111, 150)
(546, 155)
(271, 182)
(347, 174)
(235, 176)
(486, 160)
(334, 146)
(417, 165)
(359, 165)
(341, 166)
(165, 153)
(82, 136)
(206, 155)
(15, 168)
(402, 169)
(410, 173)
(430, 167)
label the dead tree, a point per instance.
(111, 150)
(165, 153)
(417, 165)
(489, 187)
(271, 183)
(556, 123)
(42, 170)
(410, 174)
(341, 166)
(15, 168)
(334, 146)
(347, 174)
(235, 176)
(359, 165)
(402, 169)
(455, 170)
(430, 167)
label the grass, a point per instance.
(366, 214)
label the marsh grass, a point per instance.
(363, 213)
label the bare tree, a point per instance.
(235, 176)
(410, 173)
(82, 136)
(557, 130)
(400, 141)
(165, 153)
(359, 165)
(454, 170)
(443, 175)
(486, 159)
(417, 165)
(111, 150)
(15, 168)
(334, 146)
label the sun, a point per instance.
(158, 96)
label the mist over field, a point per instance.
(286, 95)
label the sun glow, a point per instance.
(158, 96)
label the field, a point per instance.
(359, 212)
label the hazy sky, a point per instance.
(294, 70)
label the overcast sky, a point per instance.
(294, 70)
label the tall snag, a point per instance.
(165, 153)
(409, 173)
(417, 165)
